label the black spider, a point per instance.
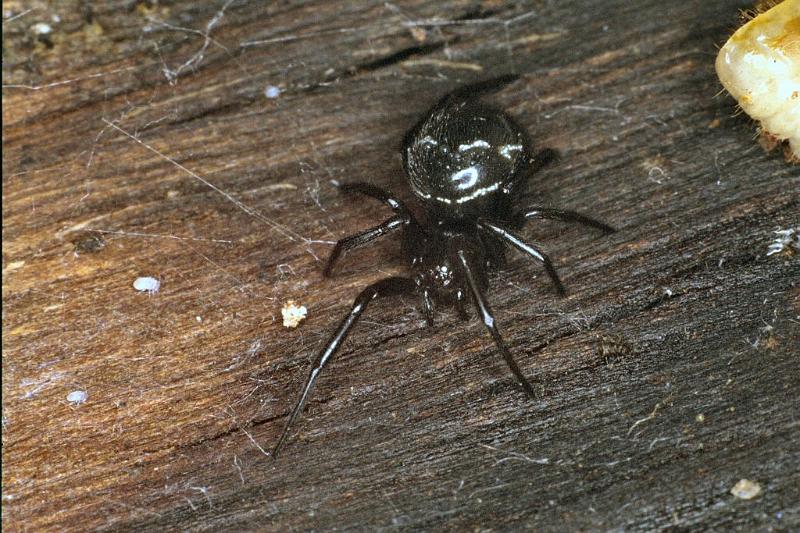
(466, 162)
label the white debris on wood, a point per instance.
(293, 314)
(147, 284)
(272, 92)
(746, 489)
(77, 397)
(788, 241)
(41, 28)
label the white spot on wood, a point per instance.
(441, 63)
(788, 241)
(272, 92)
(35, 385)
(14, 265)
(77, 397)
(147, 284)
(746, 489)
(41, 28)
(293, 314)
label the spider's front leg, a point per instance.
(385, 287)
(360, 239)
(469, 271)
(402, 218)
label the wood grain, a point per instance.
(139, 140)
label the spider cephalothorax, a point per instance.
(466, 162)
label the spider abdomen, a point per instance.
(464, 157)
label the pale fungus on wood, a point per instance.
(746, 489)
(293, 314)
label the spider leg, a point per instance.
(545, 157)
(482, 305)
(360, 239)
(385, 287)
(379, 194)
(427, 306)
(461, 304)
(531, 249)
(478, 89)
(465, 93)
(564, 216)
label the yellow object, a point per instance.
(760, 67)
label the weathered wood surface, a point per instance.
(138, 141)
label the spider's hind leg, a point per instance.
(527, 248)
(427, 306)
(479, 88)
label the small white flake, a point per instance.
(41, 28)
(77, 397)
(746, 489)
(272, 92)
(293, 314)
(788, 241)
(147, 284)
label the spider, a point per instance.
(466, 163)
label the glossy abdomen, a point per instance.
(463, 157)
